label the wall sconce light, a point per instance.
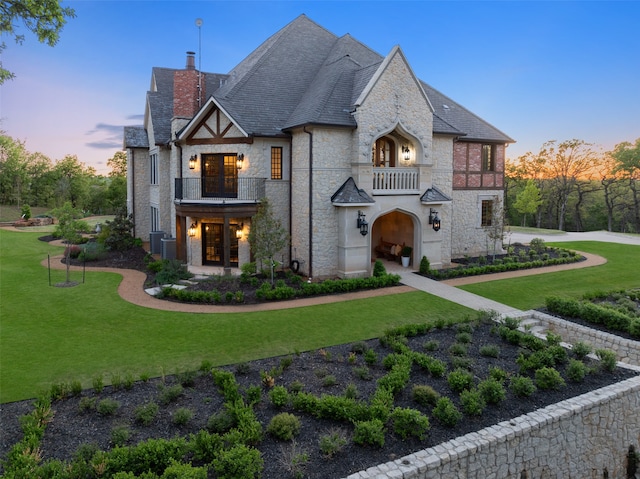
(192, 162)
(193, 229)
(363, 226)
(240, 161)
(434, 220)
(239, 230)
(406, 153)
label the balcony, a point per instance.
(396, 181)
(223, 190)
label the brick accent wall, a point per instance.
(467, 167)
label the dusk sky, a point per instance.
(536, 70)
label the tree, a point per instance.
(528, 201)
(68, 228)
(627, 157)
(566, 163)
(495, 230)
(118, 164)
(73, 180)
(44, 18)
(267, 236)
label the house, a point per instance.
(356, 155)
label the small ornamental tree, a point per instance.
(267, 236)
(119, 236)
(528, 201)
(68, 228)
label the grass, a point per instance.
(529, 292)
(50, 335)
(13, 212)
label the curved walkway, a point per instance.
(131, 289)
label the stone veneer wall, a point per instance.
(627, 351)
(583, 437)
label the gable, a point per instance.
(395, 75)
(212, 125)
(393, 98)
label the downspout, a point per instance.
(133, 190)
(291, 258)
(310, 200)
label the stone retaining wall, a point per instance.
(627, 351)
(583, 437)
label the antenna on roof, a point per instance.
(199, 24)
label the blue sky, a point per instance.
(536, 70)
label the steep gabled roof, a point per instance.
(350, 194)
(135, 137)
(454, 114)
(304, 74)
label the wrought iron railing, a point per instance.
(214, 190)
(396, 181)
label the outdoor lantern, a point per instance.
(239, 161)
(239, 230)
(192, 162)
(363, 226)
(406, 153)
(434, 220)
(192, 230)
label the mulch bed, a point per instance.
(71, 428)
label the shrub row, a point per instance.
(571, 257)
(593, 313)
(280, 291)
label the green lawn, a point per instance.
(50, 335)
(620, 271)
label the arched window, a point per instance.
(383, 153)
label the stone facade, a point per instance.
(388, 105)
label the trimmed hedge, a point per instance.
(593, 313)
(567, 257)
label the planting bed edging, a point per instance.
(586, 436)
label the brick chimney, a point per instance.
(188, 89)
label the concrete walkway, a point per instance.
(449, 291)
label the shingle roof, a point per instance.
(435, 196)
(350, 194)
(135, 137)
(304, 74)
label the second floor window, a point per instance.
(488, 157)
(153, 169)
(276, 162)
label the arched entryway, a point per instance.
(390, 233)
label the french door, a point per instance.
(219, 175)
(213, 240)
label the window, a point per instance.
(153, 169)
(488, 157)
(276, 162)
(155, 219)
(487, 213)
(383, 153)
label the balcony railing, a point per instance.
(396, 181)
(207, 190)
